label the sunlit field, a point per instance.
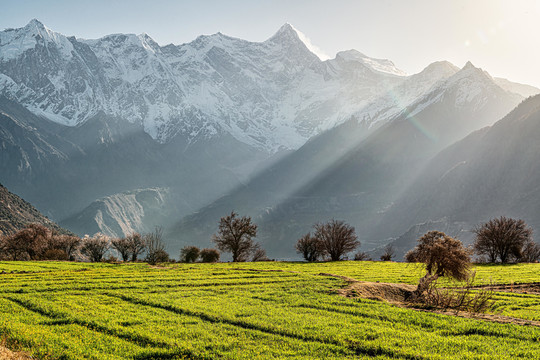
(272, 310)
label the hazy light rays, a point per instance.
(423, 130)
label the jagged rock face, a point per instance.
(121, 214)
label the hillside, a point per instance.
(15, 214)
(490, 173)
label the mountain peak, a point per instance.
(439, 67)
(285, 33)
(35, 24)
(350, 55)
(14, 42)
(469, 70)
(379, 65)
(469, 65)
(147, 40)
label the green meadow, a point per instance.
(267, 310)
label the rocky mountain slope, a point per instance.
(119, 214)
(15, 214)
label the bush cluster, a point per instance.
(37, 242)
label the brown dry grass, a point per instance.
(6, 354)
(392, 293)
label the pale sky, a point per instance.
(502, 37)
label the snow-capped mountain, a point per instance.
(269, 95)
(89, 123)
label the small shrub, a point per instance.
(209, 255)
(259, 255)
(388, 253)
(530, 252)
(55, 254)
(189, 254)
(309, 247)
(111, 259)
(159, 256)
(430, 294)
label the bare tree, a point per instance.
(389, 253)
(12, 248)
(209, 255)
(123, 247)
(464, 298)
(235, 236)
(34, 240)
(137, 245)
(29, 243)
(336, 238)
(61, 247)
(309, 247)
(95, 247)
(502, 238)
(259, 254)
(155, 248)
(362, 256)
(442, 255)
(189, 254)
(530, 252)
(69, 244)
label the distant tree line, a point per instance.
(501, 240)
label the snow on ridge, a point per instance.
(14, 42)
(405, 94)
(468, 85)
(312, 47)
(381, 65)
(270, 95)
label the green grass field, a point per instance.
(58, 310)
